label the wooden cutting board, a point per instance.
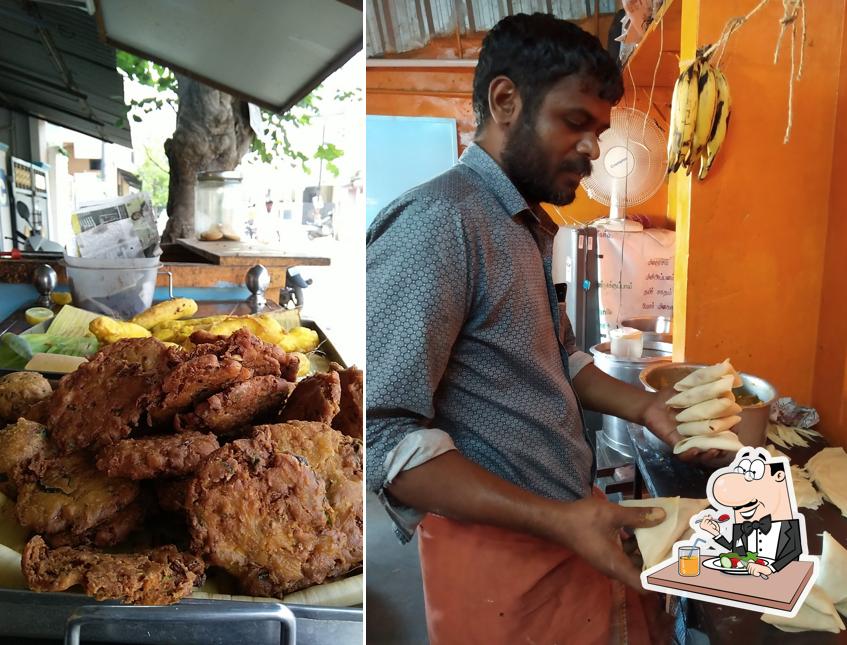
(780, 591)
(225, 252)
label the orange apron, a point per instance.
(488, 585)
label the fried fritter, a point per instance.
(237, 406)
(316, 398)
(19, 443)
(68, 493)
(350, 419)
(171, 494)
(102, 401)
(156, 577)
(193, 381)
(38, 412)
(158, 456)
(262, 358)
(337, 459)
(263, 515)
(20, 390)
(111, 532)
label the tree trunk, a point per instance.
(212, 133)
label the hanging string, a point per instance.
(634, 88)
(655, 72)
(791, 10)
(732, 25)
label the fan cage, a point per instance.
(634, 132)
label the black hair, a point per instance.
(777, 468)
(535, 51)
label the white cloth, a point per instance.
(643, 286)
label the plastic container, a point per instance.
(117, 292)
(219, 206)
(626, 342)
(654, 327)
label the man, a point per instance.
(764, 519)
(474, 419)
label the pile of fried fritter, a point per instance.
(173, 461)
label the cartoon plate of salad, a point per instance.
(735, 563)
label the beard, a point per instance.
(523, 161)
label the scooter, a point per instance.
(322, 227)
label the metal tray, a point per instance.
(48, 616)
(70, 616)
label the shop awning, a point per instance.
(54, 66)
(270, 52)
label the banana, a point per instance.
(719, 125)
(683, 116)
(707, 104)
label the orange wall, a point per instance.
(830, 392)
(438, 92)
(759, 221)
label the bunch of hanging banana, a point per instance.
(699, 117)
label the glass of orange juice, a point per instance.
(689, 561)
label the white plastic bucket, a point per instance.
(117, 292)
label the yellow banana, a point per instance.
(707, 104)
(683, 116)
(719, 125)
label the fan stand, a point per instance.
(617, 221)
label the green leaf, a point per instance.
(154, 174)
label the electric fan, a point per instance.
(631, 167)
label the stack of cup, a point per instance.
(708, 408)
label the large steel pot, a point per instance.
(627, 370)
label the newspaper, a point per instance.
(117, 228)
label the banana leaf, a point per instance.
(16, 350)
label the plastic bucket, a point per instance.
(117, 292)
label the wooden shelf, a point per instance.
(661, 39)
(228, 253)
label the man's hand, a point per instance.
(710, 526)
(660, 419)
(600, 392)
(758, 569)
(454, 487)
(591, 529)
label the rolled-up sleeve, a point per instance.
(417, 301)
(577, 359)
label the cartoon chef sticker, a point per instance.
(754, 545)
